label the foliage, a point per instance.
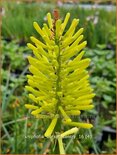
(13, 55)
(17, 21)
(106, 73)
(13, 64)
(110, 145)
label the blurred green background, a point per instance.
(19, 130)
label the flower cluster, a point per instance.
(59, 84)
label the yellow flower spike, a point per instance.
(80, 125)
(29, 106)
(59, 84)
(51, 126)
(66, 117)
(69, 132)
(63, 25)
(61, 148)
(38, 29)
(49, 18)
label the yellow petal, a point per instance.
(29, 106)
(78, 33)
(38, 42)
(65, 22)
(35, 50)
(35, 112)
(73, 51)
(51, 126)
(47, 29)
(81, 125)
(73, 25)
(73, 112)
(69, 132)
(81, 107)
(89, 96)
(32, 97)
(49, 18)
(58, 23)
(66, 117)
(38, 29)
(30, 89)
(76, 42)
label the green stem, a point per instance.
(58, 87)
(15, 112)
(61, 148)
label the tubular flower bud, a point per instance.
(66, 117)
(51, 126)
(59, 82)
(73, 25)
(38, 29)
(58, 23)
(65, 23)
(81, 125)
(69, 132)
(49, 20)
(28, 106)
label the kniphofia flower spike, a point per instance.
(59, 85)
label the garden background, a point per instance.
(21, 133)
